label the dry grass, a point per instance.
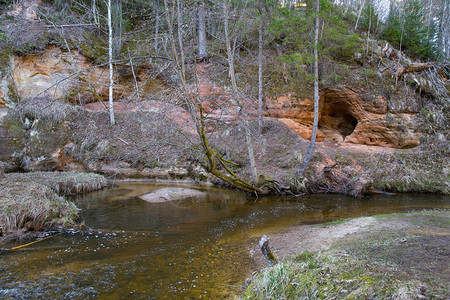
(45, 109)
(34, 201)
(64, 183)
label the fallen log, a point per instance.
(419, 67)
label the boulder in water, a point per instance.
(171, 194)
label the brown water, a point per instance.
(195, 248)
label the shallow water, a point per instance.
(195, 248)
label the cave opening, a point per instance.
(337, 122)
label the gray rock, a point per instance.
(171, 194)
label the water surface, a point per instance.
(194, 248)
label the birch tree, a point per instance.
(308, 155)
(111, 70)
(260, 75)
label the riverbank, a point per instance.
(162, 150)
(395, 256)
(33, 202)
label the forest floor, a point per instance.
(379, 257)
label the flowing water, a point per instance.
(194, 248)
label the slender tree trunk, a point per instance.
(180, 33)
(116, 11)
(443, 29)
(248, 135)
(308, 155)
(202, 53)
(260, 75)
(94, 12)
(359, 14)
(195, 110)
(111, 70)
(368, 31)
(135, 78)
(156, 9)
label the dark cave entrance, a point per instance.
(337, 121)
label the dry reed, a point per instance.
(34, 201)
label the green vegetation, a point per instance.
(321, 276)
(407, 30)
(398, 260)
(34, 201)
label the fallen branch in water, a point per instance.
(34, 242)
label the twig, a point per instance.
(123, 140)
(69, 25)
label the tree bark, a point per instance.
(195, 110)
(419, 67)
(180, 33)
(111, 70)
(248, 135)
(260, 75)
(308, 155)
(95, 13)
(359, 14)
(116, 11)
(202, 53)
(156, 9)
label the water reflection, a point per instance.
(184, 249)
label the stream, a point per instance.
(192, 248)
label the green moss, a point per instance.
(94, 47)
(5, 60)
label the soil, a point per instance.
(412, 245)
(317, 237)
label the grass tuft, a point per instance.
(46, 109)
(318, 276)
(35, 201)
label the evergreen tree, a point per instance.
(406, 29)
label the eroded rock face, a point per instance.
(58, 74)
(51, 74)
(349, 115)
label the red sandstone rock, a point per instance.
(348, 115)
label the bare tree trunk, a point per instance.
(94, 12)
(283, 64)
(359, 14)
(202, 53)
(180, 32)
(116, 11)
(135, 79)
(368, 31)
(111, 70)
(248, 134)
(195, 110)
(443, 29)
(260, 75)
(308, 155)
(156, 9)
